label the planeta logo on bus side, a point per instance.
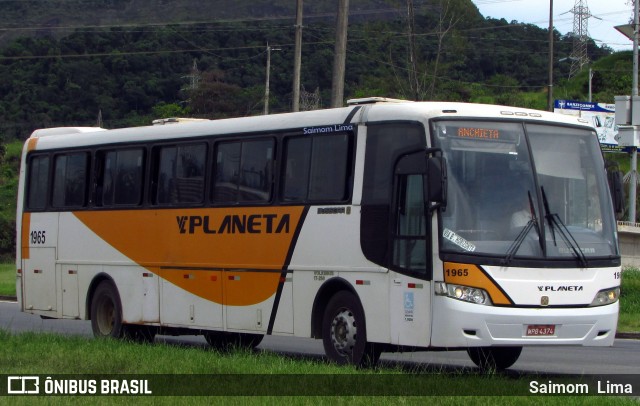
(235, 224)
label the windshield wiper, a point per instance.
(533, 222)
(563, 231)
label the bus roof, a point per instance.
(371, 111)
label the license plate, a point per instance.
(541, 329)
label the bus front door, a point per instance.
(409, 285)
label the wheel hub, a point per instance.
(344, 332)
(106, 317)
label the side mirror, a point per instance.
(436, 181)
(435, 170)
(617, 190)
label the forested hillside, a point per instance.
(130, 61)
(119, 63)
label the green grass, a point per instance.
(7, 280)
(629, 319)
(86, 358)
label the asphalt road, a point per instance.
(622, 358)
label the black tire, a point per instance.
(344, 332)
(106, 312)
(226, 341)
(494, 358)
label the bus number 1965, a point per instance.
(457, 272)
(38, 237)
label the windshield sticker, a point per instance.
(457, 240)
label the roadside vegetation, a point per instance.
(629, 319)
(302, 378)
(9, 169)
(7, 279)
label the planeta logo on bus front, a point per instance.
(235, 224)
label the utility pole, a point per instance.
(297, 61)
(550, 91)
(266, 87)
(627, 120)
(340, 54)
(591, 84)
(414, 85)
(633, 172)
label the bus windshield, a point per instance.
(524, 190)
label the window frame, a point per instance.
(96, 154)
(152, 185)
(52, 179)
(275, 167)
(28, 185)
(98, 176)
(349, 169)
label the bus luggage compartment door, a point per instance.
(39, 278)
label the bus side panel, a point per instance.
(243, 291)
(283, 322)
(81, 251)
(329, 246)
(39, 241)
(182, 308)
(70, 300)
(410, 308)
(138, 290)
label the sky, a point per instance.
(606, 14)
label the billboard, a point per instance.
(600, 115)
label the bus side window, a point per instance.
(180, 174)
(317, 169)
(70, 180)
(296, 171)
(120, 177)
(38, 181)
(329, 168)
(244, 171)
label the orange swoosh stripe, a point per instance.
(172, 241)
(474, 277)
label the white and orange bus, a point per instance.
(381, 226)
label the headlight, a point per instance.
(464, 293)
(606, 296)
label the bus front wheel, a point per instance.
(344, 332)
(106, 312)
(494, 358)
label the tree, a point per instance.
(446, 22)
(213, 98)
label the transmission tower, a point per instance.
(579, 57)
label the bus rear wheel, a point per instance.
(344, 332)
(106, 312)
(494, 358)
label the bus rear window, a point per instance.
(38, 182)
